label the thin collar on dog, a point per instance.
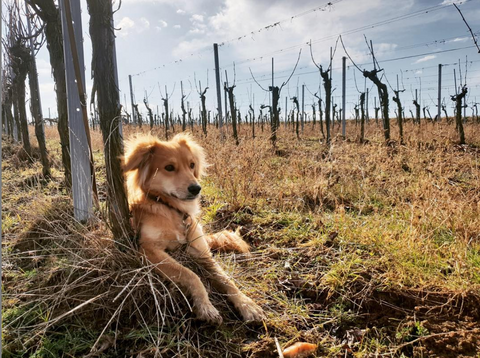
(184, 215)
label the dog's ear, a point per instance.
(198, 152)
(138, 152)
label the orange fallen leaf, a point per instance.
(299, 349)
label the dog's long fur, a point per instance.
(163, 180)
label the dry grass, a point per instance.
(368, 250)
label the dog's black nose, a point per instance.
(194, 189)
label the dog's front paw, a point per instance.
(250, 311)
(208, 313)
(241, 245)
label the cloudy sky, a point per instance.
(165, 42)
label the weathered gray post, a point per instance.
(303, 106)
(271, 100)
(439, 91)
(219, 93)
(134, 116)
(126, 108)
(332, 107)
(344, 89)
(366, 108)
(79, 149)
(225, 93)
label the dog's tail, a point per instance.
(227, 241)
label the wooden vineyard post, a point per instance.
(226, 105)
(184, 112)
(134, 116)
(366, 108)
(344, 81)
(272, 116)
(79, 147)
(439, 109)
(219, 91)
(303, 107)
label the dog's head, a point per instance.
(172, 169)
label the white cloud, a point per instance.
(177, 26)
(450, 2)
(163, 23)
(425, 58)
(196, 18)
(183, 6)
(185, 48)
(384, 49)
(47, 87)
(199, 27)
(125, 25)
(43, 67)
(459, 39)
(197, 31)
(419, 72)
(145, 24)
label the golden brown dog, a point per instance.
(163, 190)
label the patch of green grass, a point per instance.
(211, 192)
(64, 341)
(9, 222)
(30, 274)
(20, 315)
(342, 309)
(341, 272)
(411, 331)
(287, 227)
(405, 254)
(375, 340)
(473, 258)
(442, 235)
(166, 336)
(71, 343)
(210, 212)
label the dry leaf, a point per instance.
(299, 349)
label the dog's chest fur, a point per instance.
(165, 229)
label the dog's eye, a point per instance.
(192, 165)
(170, 168)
